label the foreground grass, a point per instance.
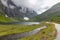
(13, 29)
(46, 34)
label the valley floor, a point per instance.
(10, 32)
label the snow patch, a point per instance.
(6, 16)
(26, 18)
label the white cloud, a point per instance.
(38, 5)
(47, 4)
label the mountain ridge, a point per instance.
(54, 11)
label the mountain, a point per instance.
(3, 17)
(18, 12)
(15, 12)
(49, 14)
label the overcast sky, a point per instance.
(39, 6)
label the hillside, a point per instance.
(49, 14)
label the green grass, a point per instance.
(43, 34)
(55, 19)
(4, 19)
(13, 29)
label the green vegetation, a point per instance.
(4, 19)
(46, 34)
(13, 29)
(2, 15)
(51, 17)
(55, 19)
(53, 14)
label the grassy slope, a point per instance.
(45, 16)
(4, 19)
(55, 19)
(52, 17)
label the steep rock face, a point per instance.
(1, 8)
